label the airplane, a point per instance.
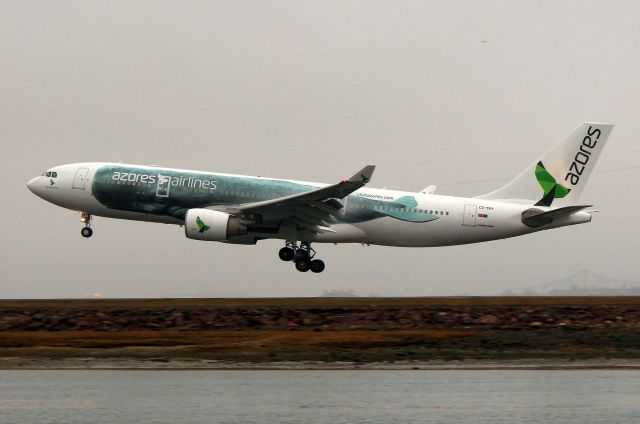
(242, 209)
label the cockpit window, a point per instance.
(54, 174)
(48, 174)
(51, 174)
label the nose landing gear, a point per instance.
(86, 219)
(302, 256)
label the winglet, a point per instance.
(429, 190)
(364, 175)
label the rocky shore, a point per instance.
(135, 315)
(322, 329)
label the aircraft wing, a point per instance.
(314, 209)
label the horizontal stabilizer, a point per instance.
(535, 217)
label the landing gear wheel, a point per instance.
(86, 232)
(303, 265)
(286, 254)
(317, 265)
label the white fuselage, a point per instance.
(454, 220)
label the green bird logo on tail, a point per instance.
(202, 227)
(51, 182)
(552, 190)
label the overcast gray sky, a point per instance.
(442, 93)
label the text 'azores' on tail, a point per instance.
(559, 176)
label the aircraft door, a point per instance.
(164, 184)
(80, 179)
(470, 214)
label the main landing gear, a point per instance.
(302, 256)
(86, 219)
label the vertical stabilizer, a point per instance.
(559, 176)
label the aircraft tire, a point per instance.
(86, 232)
(303, 265)
(286, 254)
(317, 266)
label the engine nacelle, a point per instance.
(209, 225)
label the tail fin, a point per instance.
(560, 175)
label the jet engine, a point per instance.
(210, 225)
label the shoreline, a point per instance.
(106, 364)
(318, 333)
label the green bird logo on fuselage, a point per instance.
(202, 227)
(552, 190)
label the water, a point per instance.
(461, 396)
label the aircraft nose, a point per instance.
(31, 185)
